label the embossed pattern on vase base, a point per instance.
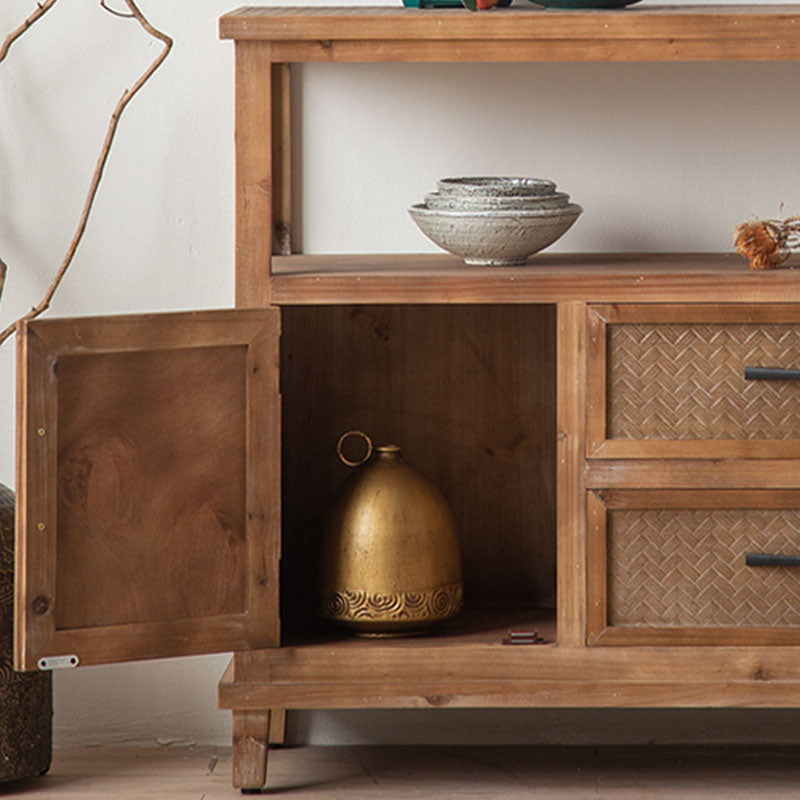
(403, 613)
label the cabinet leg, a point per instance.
(277, 726)
(250, 750)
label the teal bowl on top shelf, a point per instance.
(472, 5)
(584, 3)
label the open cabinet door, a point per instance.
(148, 518)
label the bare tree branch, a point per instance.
(113, 11)
(126, 97)
(41, 10)
(3, 270)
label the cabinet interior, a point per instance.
(468, 392)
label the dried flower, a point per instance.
(766, 244)
(760, 243)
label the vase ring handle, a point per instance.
(367, 453)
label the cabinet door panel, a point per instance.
(677, 381)
(148, 510)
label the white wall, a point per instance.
(662, 157)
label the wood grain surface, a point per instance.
(148, 467)
(677, 33)
(467, 392)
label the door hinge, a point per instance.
(58, 662)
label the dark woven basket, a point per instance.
(25, 698)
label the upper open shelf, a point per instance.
(640, 33)
(547, 278)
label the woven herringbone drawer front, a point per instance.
(686, 381)
(679, 567)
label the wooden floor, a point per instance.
(426, 773)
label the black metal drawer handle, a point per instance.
(770, 560)
(771, 374)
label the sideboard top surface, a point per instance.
(646, 32)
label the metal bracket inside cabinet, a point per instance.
(523, 637)
(58, 662)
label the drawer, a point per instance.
(671, 567)
(670, 381)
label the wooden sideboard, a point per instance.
(587, 416)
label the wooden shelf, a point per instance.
(642, 33)
(547, 278)
(473, 626)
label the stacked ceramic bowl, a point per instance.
(495, 221)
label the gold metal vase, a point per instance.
(391, 564)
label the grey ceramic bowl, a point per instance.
(456, 202)
(495, 186)
(494, 238)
